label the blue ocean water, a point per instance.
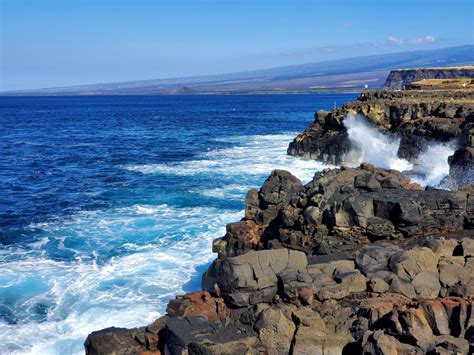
(108, 205)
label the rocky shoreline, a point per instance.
(418, 117)
(357, 261)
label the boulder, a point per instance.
(377, 284)
(375, 257)
(276, 330)
(252, 278)
(198, 303)
(407, 264)
(426, 284)
(114, 341)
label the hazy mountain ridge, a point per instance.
(350, 74)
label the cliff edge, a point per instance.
(400, 79)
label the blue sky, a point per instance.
(47, 43)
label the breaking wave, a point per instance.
(369, 144)
(254, 155)
(153, 252)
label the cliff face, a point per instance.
(399, 79)
(417, 117)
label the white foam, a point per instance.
(432, 165)
(125, 291)
(252, 155)
(231, 191)
(369, 144)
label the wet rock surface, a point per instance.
(357, 261)
(418, 117)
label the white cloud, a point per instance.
(395, 41)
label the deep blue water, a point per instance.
(108, 205)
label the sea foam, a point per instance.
(369, 144)
(160, 249)
(251, 155)
(129, 261)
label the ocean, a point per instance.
(109, 205)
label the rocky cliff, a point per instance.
(401, 78)
(417, 117)
(357, 261)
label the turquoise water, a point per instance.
(108, 205)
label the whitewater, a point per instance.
(369, 144)
(162, 247)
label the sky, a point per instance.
(51, 43)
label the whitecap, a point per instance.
(254, 155)
(86, 294)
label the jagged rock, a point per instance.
(345, 318)
(419, 118)
(437, 317)
(323, 282)
(337, 212)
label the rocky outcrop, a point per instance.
(418, 117)
(341, 210)
(401, 78)
(357, 261)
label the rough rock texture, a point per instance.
(387, 299)
(401, 78)
(461, 163)
(358, 261)
(342, 209)
(418, 117)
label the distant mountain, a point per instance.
(350, 74)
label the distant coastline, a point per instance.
(350, 75)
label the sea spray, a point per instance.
(371, 145)
(432, 165)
